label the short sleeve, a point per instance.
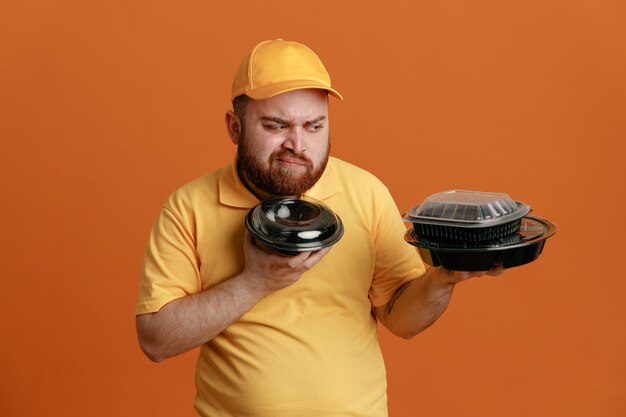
(396, 261)
(171, 267)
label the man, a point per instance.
(280, 335)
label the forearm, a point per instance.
(191, 321)
(417, 304)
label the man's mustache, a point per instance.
(287, 153)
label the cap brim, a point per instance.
(275, 89)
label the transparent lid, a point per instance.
(294, 224)
(468, 208)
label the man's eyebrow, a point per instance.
(274, 119)
(286, 122)
(317, 120)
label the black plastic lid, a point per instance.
(294, 224)
(464, 208)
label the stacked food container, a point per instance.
(475, 231)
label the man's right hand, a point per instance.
(272, 270)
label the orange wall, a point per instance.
(108, 106)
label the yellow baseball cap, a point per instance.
(277, 66)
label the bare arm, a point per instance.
(418, 303)
(191, 321)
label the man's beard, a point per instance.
(277, 180)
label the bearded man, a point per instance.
(284, 335)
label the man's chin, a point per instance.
(290, 166)
(292, 186)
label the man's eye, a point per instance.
(317, 127)
(275, 126)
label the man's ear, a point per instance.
(233, 126)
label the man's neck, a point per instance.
(256, 191)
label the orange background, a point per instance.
(107, 107)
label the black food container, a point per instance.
(291, 225)
(475, 231)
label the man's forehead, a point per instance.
(302, 106)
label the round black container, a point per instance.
(517, 249)
(291, 225)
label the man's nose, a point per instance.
(295, 140)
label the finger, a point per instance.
(315, 257)
(498, 270)
(464, 275)
(297, 260)
(308, 259)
